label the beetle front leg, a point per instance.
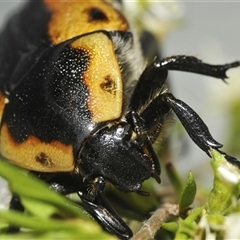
(101, 210)
(92, 200)
(195, 127)
(154, 76)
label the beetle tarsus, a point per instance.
(195, 65)
(231, 159)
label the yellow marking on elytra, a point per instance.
(102, 77)
(73, 18)
(36, 155)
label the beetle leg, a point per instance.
(144, 140)
(101, 210)
(154, 76)
(92, 200)
(151, 81)
(231, 159)
(155, 103)
(155, 117)
(196, 128)
(194, 125)
(195, 65)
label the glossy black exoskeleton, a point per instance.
(79, 119)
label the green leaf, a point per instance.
(76, 226)
(49, 215)
(188, 226)
(188, 193)
(30, 187)
(170, 226)
(33, 206)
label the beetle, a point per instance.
(79, 108)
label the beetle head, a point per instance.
(120, 155)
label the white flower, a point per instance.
(5, 195)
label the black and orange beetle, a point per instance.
(78, 106)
